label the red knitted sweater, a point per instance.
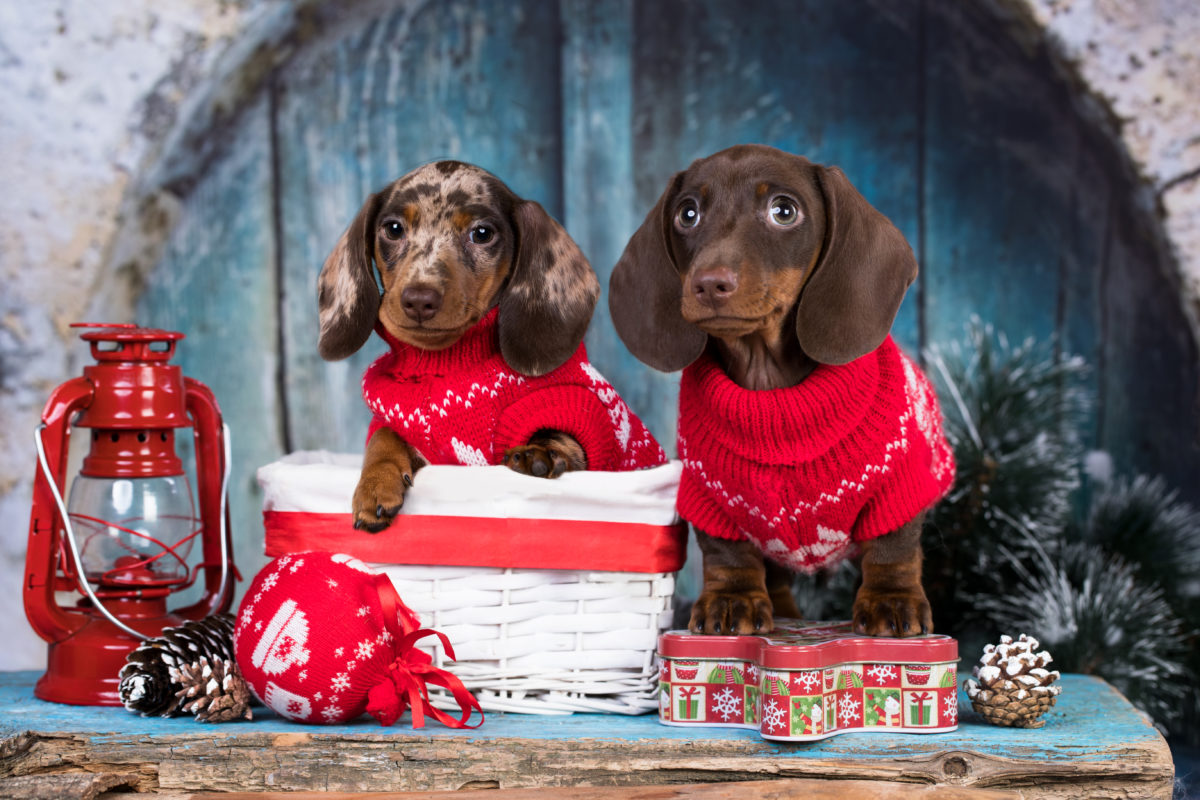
(465, 405)
(850, 453)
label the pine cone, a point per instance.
(1014, 687)
(146, 683)
(214, 692)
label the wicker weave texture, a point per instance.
(544, 641)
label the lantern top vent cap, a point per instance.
(128, 342)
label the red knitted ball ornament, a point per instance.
(321, 638)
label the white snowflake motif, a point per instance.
(385, 637)
(752, 674)
(258, 625)
(341, 651)
(331, 713)
(319, 696)
(247, 614)
(848, 710)
(774, 715)
(331, 583)
(882, 672)
(303, 676)
(284, 561)
(364, 649)
(950, 712)
(341, 682)
(807, 680)
(299, 563)
(363, 611)
(727, 704)
(270, 581)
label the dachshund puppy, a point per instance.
(805, 434)
(484, 306)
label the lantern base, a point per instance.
(83, 669)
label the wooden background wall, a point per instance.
(1018, 211)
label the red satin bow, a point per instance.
(408, 676)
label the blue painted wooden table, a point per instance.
(1095, 744)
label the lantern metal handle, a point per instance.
(80, 575)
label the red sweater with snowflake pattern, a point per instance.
(465, 405)
(850, 453)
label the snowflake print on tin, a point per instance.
(752, 674)
(950, 712)
(848, 710)
(775, 717)
(882, 672)
(728, 705)
(806, 682)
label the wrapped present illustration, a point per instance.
(810, 680)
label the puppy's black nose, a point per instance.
(714, 286)
(421, 303)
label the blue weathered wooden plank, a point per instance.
(836, 82)
(1091, 723)
(466, 80)
(998, 181)
(216, 283)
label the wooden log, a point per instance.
(1094, 745)
(740, 790)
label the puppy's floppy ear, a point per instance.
(548, 301)
(347, 296)
(645, 291)
(848, 305)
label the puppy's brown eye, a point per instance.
(783, 212)
(393, 229)
(482, 234)
(688, 215)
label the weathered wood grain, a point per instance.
(747, 790)
(466, 80)
(1094, 745)
(216, 283)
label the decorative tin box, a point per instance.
(809, 680)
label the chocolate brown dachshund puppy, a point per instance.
(451, 243)
(775, 283)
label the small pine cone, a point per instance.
(146, 684)
(214, 692)
(1013, 686)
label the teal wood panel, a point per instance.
(598, 187)
(999, 185)
(836, 82)
(1090, 723)
(216, 283)
(474, 81)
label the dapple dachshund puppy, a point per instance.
(484, 306)
(805, 434)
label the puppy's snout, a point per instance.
(714, 286)
(421, 303)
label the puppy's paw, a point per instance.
(379, 497)
(548, 455)
(892, 612)
(731, 613)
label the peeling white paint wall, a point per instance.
(89, 92)
(93, 93)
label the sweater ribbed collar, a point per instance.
(781, 426)
(480, 343)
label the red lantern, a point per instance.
(123, 537)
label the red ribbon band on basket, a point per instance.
(408, 677)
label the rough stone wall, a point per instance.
(94, 94)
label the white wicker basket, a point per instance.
(530, 640)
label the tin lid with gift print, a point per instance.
(798, 644)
